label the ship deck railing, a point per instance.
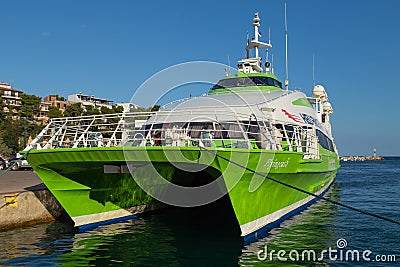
(138, 129)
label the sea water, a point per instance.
(322, 235)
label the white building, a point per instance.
(11, 97)
(88, 100)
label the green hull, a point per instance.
(91, 194)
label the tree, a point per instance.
(34, 128)
(60, 98)
(5, 151)
(91, 110)
(73, 110)
(117, 109)
(2, 105)
(155, 108)
(10, 134)
(30, 105)
(54, 112)
(106, 110)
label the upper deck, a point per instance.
(241, 131)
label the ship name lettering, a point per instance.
(277, 164)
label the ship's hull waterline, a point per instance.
(96, 185)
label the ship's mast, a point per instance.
(253, 65)
(286, 46)
(256, 24)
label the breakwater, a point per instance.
(360, 158)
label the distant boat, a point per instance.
(88, 162)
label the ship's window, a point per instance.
(289, 131)
(260, 80)
(270, 82)
(247, 81)
(244, 82)
(324, 141)
(251, 128)
(227, 83)
(277, 84)
(220, 132)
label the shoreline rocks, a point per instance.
(360, 158)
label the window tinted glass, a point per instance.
(270, 82)
(260, 80)
(324, 141)
(247, 81)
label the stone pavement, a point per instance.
(20, 181)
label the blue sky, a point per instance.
(109, 48)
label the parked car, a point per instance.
(19, 164)
(3, 164)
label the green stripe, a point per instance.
(302, 102)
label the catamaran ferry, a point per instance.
(238, 140)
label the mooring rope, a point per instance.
(302, 190)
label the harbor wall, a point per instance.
(27, 208)
(29, 205)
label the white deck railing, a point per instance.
(134, 129)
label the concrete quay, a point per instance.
(25, 200)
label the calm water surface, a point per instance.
(197, 237)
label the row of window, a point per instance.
(12, 102)
(9, 93)
(247, 81)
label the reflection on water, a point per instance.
(312, 230)
(204, 237)
(35, 244)
(174, 237)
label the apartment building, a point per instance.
(52, 101)
(11, 97)
(87, 100)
